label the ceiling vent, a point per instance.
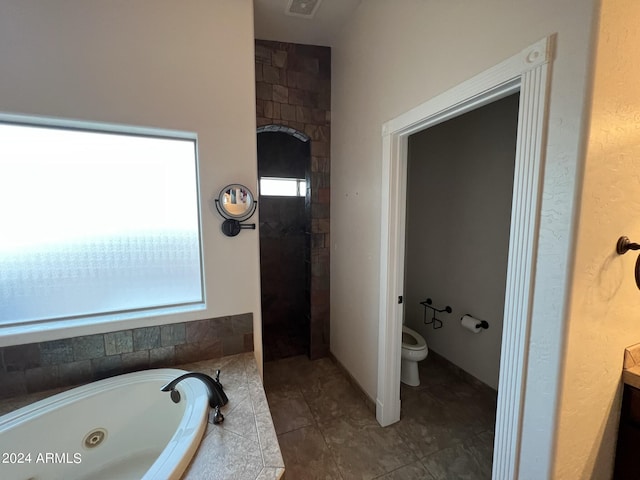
(302, 8)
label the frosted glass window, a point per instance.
(283, 187)
(96, 222)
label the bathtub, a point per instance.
(122, 427)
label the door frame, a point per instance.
(529, 73)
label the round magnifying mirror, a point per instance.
(236, 202)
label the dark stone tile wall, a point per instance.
(71, 361)
(293, 89)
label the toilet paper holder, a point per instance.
(483, 324)
(437, 323)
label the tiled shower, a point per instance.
(293, 93)
(285, 248)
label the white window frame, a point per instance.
(92, 324)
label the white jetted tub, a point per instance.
(121, 428)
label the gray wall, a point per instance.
(460, 182)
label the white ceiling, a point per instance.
(271, 23)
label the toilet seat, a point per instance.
(414, 350)
(418, 343)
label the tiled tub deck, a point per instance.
(244, 446)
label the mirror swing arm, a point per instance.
(232, 223)
(231, 226)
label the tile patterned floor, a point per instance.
(327, 432)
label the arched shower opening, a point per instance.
(284, 171)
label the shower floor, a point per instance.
(284, 340)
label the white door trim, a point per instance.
(527, 72)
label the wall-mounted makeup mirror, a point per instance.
(236, 204)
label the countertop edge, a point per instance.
(631, 366)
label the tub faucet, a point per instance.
(217, 397)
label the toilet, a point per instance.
(414, 349)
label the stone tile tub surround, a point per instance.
(244, 446)
(42, 366)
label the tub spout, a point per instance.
(217, 397)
